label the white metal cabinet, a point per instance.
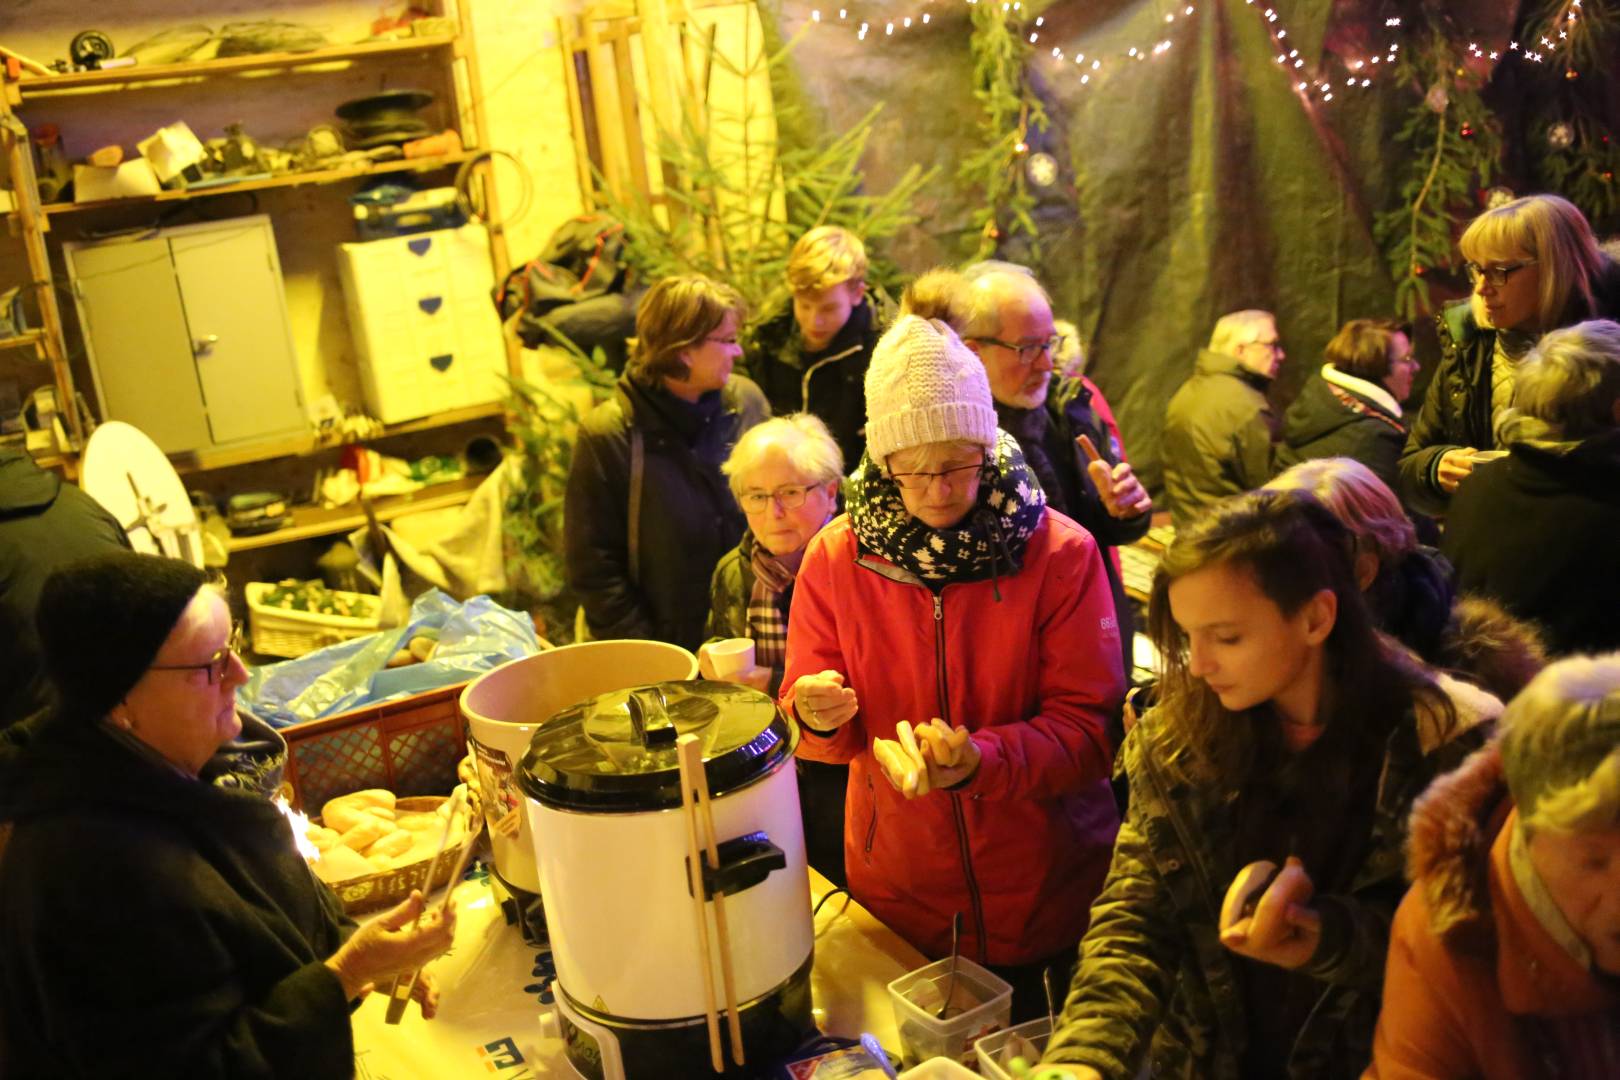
(187, 333)
(424, 326)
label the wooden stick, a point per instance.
(690, 755)
(397, 1000)
(32, 65)
(733, 1019)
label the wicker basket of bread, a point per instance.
(373, 848)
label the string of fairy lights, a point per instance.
(1318, 84)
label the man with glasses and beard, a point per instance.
(1219, 430)
(1063, 425)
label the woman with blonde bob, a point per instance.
(1504, 958)
(647, 515)
(1535, 266)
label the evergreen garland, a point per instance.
(1574, 151)
(1455, 145)
(1001, 51)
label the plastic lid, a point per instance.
(616, 753)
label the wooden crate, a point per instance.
(409, 746)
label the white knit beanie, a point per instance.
(924, 386)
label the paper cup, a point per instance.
(731, 657)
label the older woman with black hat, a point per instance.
(156, 918)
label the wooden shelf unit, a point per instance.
(310, 522)
(38, 86)
(308, 443)
(320, 176)
(31, 221)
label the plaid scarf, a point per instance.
(988, 543)
(767, 623)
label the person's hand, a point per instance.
(1122, 494)
(1455, 467)
(757, 677)
(823, 702)
(949, 753)
(1282, 930)
(393, 942)
(426, 993)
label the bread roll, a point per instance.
(340, 864)
(365, 832)
(395, 843)
(323, 838)
(344, 812)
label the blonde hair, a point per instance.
(676, 314)
(1561, 746)
(1236, 329)
(937, 294)
(1362, 503)
(826, 256)
(802, 438)
(1550, 230)
(1570, 381)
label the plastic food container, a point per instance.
(990, 1048)
(939, 1068)
(980, 1005)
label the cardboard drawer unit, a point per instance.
(426, 332)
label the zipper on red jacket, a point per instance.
(942, 688)
(871, 829)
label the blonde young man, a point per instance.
(811, 356)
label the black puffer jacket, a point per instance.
(688, 518)
(830, 382)
(152, 924)
(1218, 436)
(43, 524)
(1456, 409)
(1540, 531)
(1333, 416)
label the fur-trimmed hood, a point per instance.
(1448, 844)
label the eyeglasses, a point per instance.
(1029, 350)
(788, 497)
(920, 481)
(1497, 275)
(216, 665)
(721, 340)
(1273, 344)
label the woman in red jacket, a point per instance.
(1504, 958)
(954, 641)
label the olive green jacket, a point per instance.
(729, 592)
(1155, 984)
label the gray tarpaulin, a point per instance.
(1192, 183)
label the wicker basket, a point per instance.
(282, 632)
(388, 887)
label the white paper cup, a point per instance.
(731, 657)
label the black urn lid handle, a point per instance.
(650, 725)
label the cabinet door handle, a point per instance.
(204, 345)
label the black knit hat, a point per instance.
(102, 620)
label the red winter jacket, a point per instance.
(1022, 848)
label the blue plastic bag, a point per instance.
(474, 637)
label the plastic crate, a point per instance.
(410, 746)
(275, 631)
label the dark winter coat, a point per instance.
(1475, 986)
(1336, 415)
(1047, 435)
(654, 584)
(1456, 409)
(1539, 530)
(1154, 981)
(830, 382)
(43, 524)
(1218, 435)
(152, 924)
